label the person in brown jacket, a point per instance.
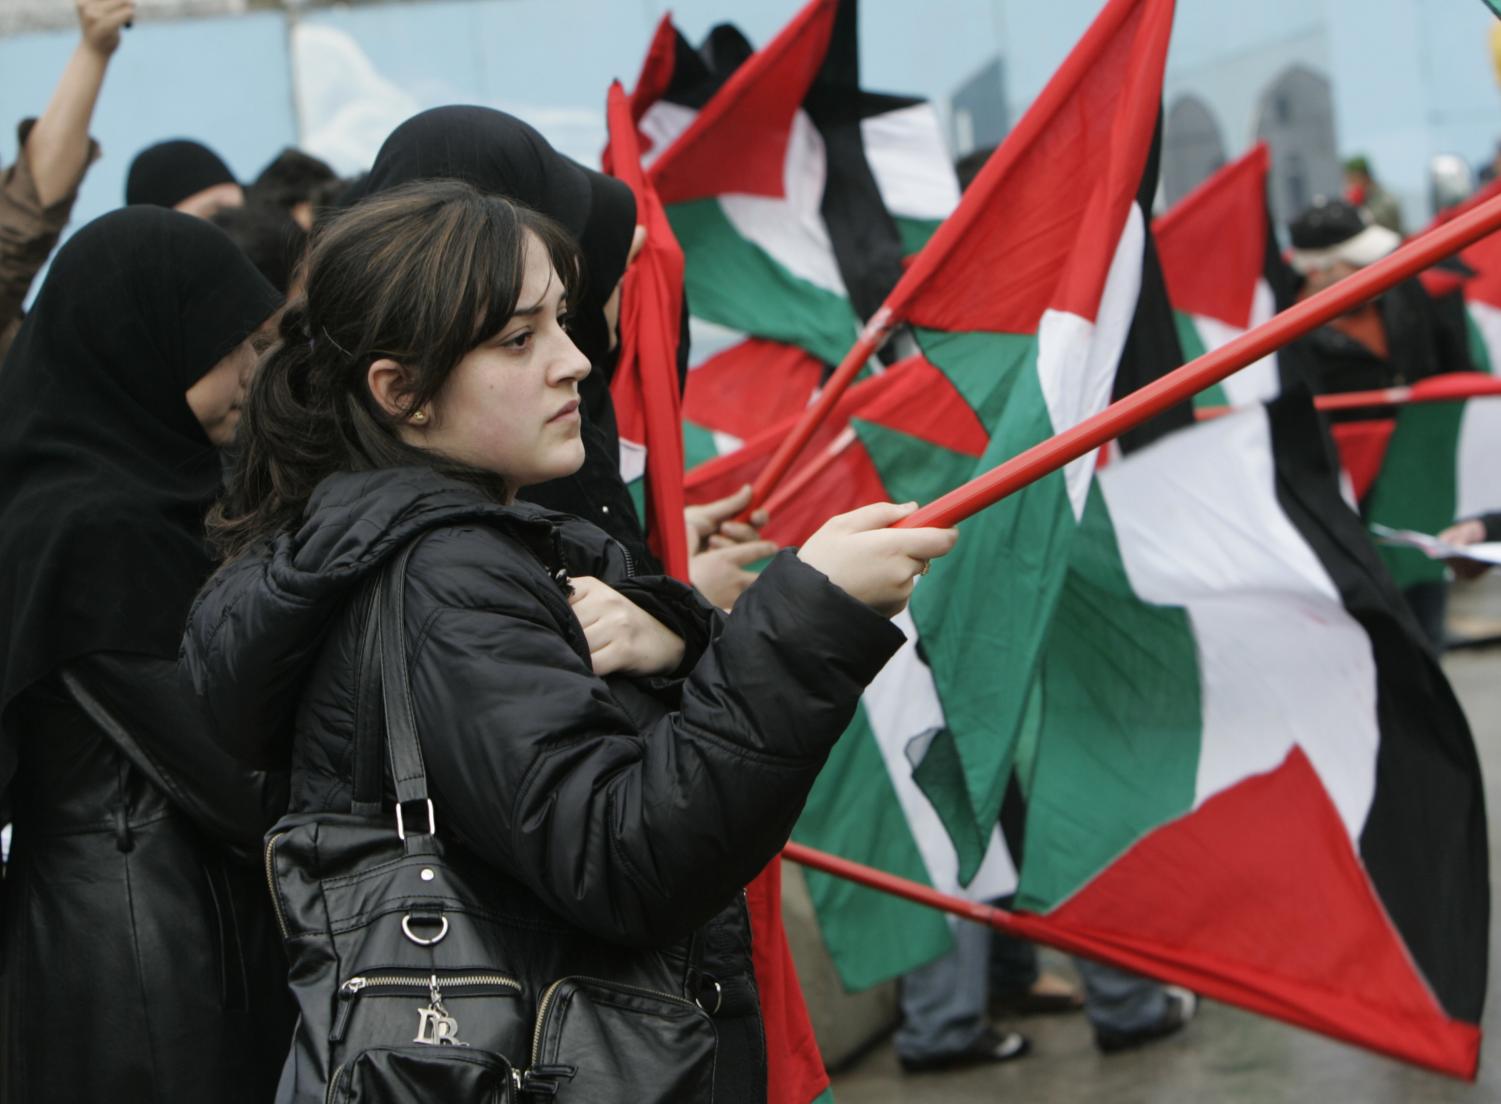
(37, 192)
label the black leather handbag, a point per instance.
(422, 974)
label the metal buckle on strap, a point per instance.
(432, 824)
(718, 997)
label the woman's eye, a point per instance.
(517, 341)
(565, 320)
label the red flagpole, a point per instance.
(1449, 387)
(871, 338)
(1183, 383)
(897, 887)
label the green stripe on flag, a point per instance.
(914, 232)
(1120, 705)
(1418, 487)
(734, 282)
(983, 367)
(698, 445)
(854, 812)
(1480, 353)
(993, 598)
(1192, 343)
(912, 469)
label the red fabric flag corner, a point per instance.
(1225, 218)
(648, 407)
(738, 142)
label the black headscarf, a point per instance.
(501, 155)
(105, 474)
(167, 173)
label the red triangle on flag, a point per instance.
(1212, 244)
(751, 386)
(657, 70)
(1362, 448)
(1258, 898)
(738, 142)
(1039, 225)
(912, 397)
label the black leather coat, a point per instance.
(141, 958)
(634, 809)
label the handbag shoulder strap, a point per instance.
(382, 669)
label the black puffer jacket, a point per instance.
(635, 809)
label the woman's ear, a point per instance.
(390, 384)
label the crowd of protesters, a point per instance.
(336, 376)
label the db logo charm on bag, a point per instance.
(435, 1027)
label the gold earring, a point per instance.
(419, 416)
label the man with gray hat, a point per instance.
(1393, 340)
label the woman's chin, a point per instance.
(566, 463)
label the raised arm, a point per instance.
(58, 147)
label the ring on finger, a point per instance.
(926, 566)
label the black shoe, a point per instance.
(1181, 1005)
(990, 1048)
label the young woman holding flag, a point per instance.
(620, 754)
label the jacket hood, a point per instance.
(258, 625)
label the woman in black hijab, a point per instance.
(184, 175)
(501, 155)
(140, 961)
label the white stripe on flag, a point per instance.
(1487, 320)
(1258, 381)
(1077, 359)
(901, 705)
(906, 154)
(791, 228)
(1479, 459)
(1281, 662)
(632, 460)
(661, 125)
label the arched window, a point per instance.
(1192, 148)
(1296, 117)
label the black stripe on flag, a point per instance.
(867, 243)
(1152, 347)
(1424, 842)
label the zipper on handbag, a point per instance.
(333, 1083)
(281, 923)
(416, 984)
(551, 991)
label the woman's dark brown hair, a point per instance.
(421, 274)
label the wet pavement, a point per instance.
(1226, 1054)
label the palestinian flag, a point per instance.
(1041, 297)
(795, 194)
(1225, 273)
(644, 388)
(905, 435)
(1243, 770)
(1439, 465)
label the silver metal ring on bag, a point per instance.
(406, 930)
(718, 998)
